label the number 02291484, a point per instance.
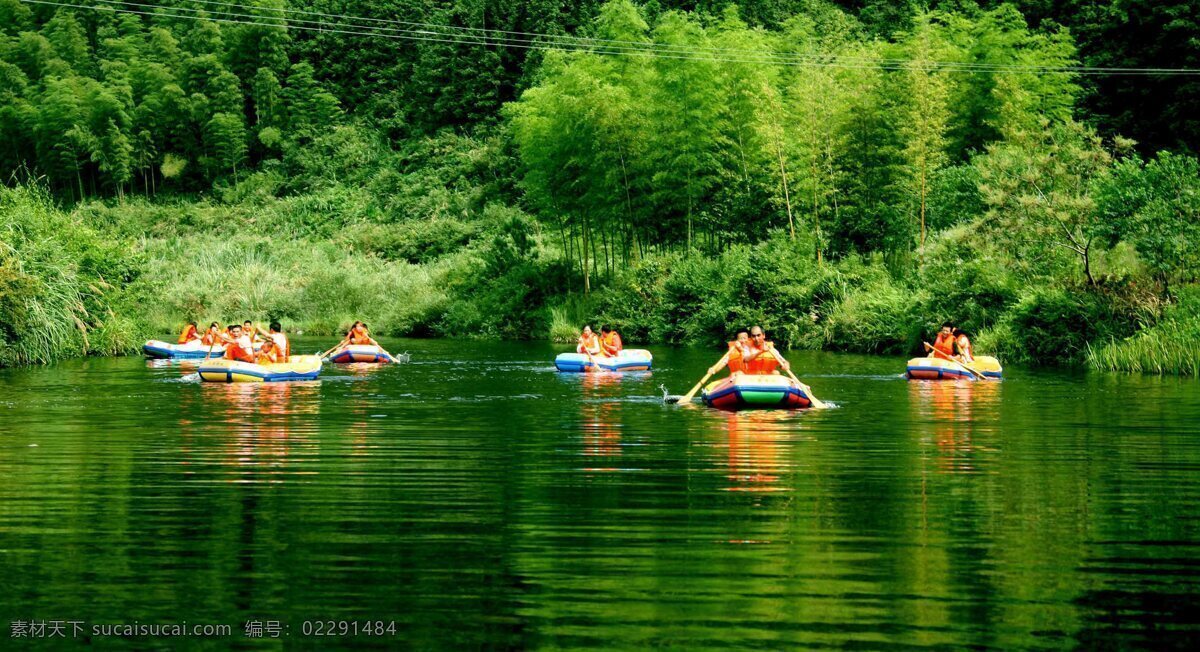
(348, 628)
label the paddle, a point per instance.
(812, 398)
(976, 374)
(211, 344)
(687, 398)
(334, 347)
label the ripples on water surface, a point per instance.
(479, 498)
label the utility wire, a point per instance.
(462, 36)
(687, 49)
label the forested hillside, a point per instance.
(848, 174)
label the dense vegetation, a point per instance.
(848, 176)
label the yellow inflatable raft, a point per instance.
(939, 369)
(299, 367)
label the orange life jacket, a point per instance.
(944, 343)
(282, 346)
(235, 351)
(735, 358)
(359, 337)
(611, 343)
(188, 334)
(266, 356)
(588, 344)
(757, 360)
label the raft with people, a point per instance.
(603, 352)
(625, 360)
(742, 390)
(193, 350)
(222, 370)
(951, 357)
(359, 347)
(754, 380)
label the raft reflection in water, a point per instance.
(261, 427)
(957, 414)
(758, 455)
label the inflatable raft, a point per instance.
(300, 367)
(190, 351)
(755, 391)
(361, 353)
(626, 360)
(939, 369)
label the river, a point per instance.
(476, 498)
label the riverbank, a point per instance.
(103, 277)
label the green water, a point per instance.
(477, 498)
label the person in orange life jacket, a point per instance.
(211, 335)
(269, 353)
(962, 346)
(944, 343)
(588, 342)
(757, 356)
(189, 333)
(250, 331)
(734, 357)
(238, 345)
(283, 348)
(610, 341)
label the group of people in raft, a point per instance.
(752, 353)
(246, 342)
(749, 353)
(952, 343)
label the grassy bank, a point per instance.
(102, 278)
(1170, 346)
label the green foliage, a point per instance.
(1172, 346)
(1055, 326)
(1156, 208)
(56, 281)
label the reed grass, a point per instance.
(1151, 352)
(51, 304)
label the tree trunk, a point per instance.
(787, 198)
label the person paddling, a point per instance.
(944, 343)
(962, 347)
(238, 345)
(250, 331)
(212, 334)
(734, 357)
(610, 341)
(283, 348)
(758, 354)
(588, 343)
(189, 333)
(358, 335)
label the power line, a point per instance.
(648, 46)
(456, 35)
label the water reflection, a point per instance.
(952, 412)
(261, 426)
(601, 421)
(757, 443)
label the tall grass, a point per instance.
(54, 300)
(567, 319)
(1162, 350)
(316, 287)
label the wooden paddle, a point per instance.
(334, 348)
(215, 337)
(687, 398)
(812, 398)
(950, 358)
